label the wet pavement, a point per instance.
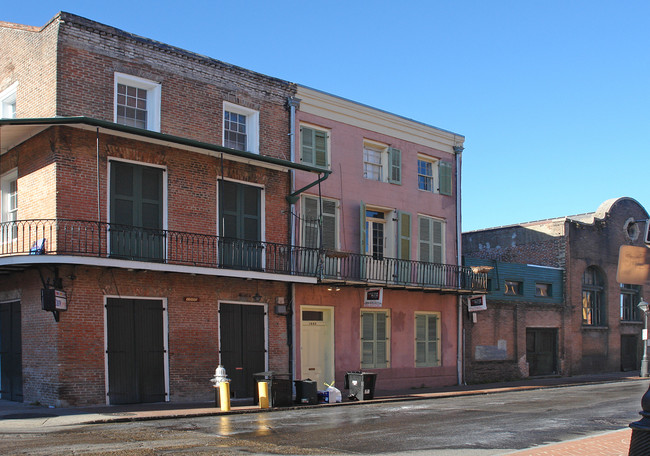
(19, 416)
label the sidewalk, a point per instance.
(14, 415)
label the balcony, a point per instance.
(80, 238)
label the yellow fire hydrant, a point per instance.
(222, 382)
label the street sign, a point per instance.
(633, 265)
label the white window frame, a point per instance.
(9, 214)
(382, 150)
(434, 177)
(153, 97)
(8, 102)
(252, 126)
(429, 361)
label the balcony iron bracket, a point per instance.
(295, 196)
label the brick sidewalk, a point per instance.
(615, 443)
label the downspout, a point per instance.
(293, 104)
(460, 360)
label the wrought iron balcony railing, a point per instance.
(105, 240)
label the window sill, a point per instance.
(632, 322)
(595, 328)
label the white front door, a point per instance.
(317, 345)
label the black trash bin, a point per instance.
(361, 385)
(306, 392)
(280, 388)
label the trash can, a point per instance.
(280, 388)
(306, 392)
(361, 385)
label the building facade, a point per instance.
(149, 199)
(390, 281)
(137, 184)
(591, 325)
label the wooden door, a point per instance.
(11, 370)
(135, 350)
(242, 345)
(541, 351)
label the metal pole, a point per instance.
(643, 306)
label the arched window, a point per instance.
(593, 297)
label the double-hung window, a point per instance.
(314, 146)
(240, 128)
(630, 298)
(382, 163)
(427, 339)
(593, 300)
(434, 175)
(137, 102)
(375, 332)
(8, 101)
(9, 192)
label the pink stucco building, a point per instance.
(390, 287)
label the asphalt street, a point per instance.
(477, 425)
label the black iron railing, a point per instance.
(105, 240)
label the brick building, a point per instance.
(147, 228)
(146, 185)
(554, 305)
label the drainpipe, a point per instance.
(293, 104)
(460, 360)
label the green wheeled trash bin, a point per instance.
(280, 388)
(361, 385)
(306, 392)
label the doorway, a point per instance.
(242, 345)
(11, 366)
(135, 350)
(541, 351)
(629, 352)
(317, 344)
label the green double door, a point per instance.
(135, 350)
(240, 226)
(11, 367)
(242, 345)
(136, 215)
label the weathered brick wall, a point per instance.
(28, 55)
(533, 244)
(597, 244)
(194, 87)
(64, 362)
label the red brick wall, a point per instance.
(28, 55)
(64, 362)
(193, 87)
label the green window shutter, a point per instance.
(307, 145)
(362, 227)
(320, 148)
(437, 240)
(424, 239)
(329, 224)
(313, 147)
(395, 166)
(310, 222)
(420, 340)
(444, 176)
(404, 230)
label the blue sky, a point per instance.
(553, 97)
